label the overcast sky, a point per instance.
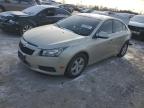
(135, 5)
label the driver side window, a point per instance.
(47, 12)
(106, 27)
(50, 12)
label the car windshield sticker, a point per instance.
(86, 26)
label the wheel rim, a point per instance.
(77, 66)
(26, 28)
(124, 49)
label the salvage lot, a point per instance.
(112, 83)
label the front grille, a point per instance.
(133, 28)
(25, 49)
(22, 57)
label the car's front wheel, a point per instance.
(76, 66)
(123, 49)
(2, 9)
(25, 28)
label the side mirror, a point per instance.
(102, 35)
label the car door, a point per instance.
(120, 32)
(46, 16)
(60, 14)
(102, 47)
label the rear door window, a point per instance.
(118, 26)
(61, 12)
(50, 12)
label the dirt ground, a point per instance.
(112, 83)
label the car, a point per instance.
(21, 21)
(125, 17)
(14, 5)
(136, 25)
(18, 5)
(68, 7)
(87, 10)
(68, 46)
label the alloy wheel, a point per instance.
(26, 28)
(77, 66)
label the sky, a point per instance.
(134, 5)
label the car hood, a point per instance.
(136, 24)
(13, 13)
(50, 36)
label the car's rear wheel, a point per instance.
(25, 28)
(123, 49)
(76, 66)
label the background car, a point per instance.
(68, 7)
(125, 17)
(136, 26)
(8, 5)
(71, 44)
(13, 5)
(21, 21)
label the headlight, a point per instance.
(52, 52)
(12, 22)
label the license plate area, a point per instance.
(23, 58)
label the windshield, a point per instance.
(139, 19)
(78, 24)
(33, 10)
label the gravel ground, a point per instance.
(112, 83)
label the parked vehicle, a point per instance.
(18, 5)
(21, 21)
(71, 44)
(136, 26)
(125, 17)
(87, 10)
(13, 5)
(68, 7)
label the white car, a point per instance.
(71, 44)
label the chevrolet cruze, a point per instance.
(71, 44)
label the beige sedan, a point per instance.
(71, 44)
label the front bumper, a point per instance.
(9, 27)
(136, 30)
(47, 65)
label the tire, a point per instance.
(25, 28)
(76, 66)
(123, 50)
(1, 9)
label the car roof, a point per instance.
(139, 16)
(46, 6)
(97, 16)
